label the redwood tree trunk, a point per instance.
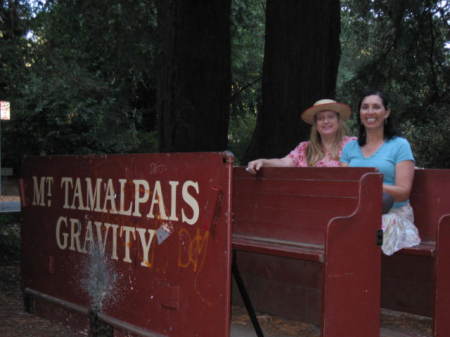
(301, 61)
(195, 76)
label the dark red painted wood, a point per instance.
(429, 200)
(352, 268)
(324, 220)
(293, 203)
(441, 320)
(176, 286)
(306, 237)
(417, 279)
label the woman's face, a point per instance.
(373, 112)
(327, 123)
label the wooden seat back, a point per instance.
(291, 204)
(429, 199)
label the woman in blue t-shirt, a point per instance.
(379, 146)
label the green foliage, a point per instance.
(86, 83)
(247, 29)
(399, 47)
(69, 111)
(148, 142)
(14, 22)
(429, 136)
(10, 219)
(10, 237)
(240, 133)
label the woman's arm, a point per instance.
(255, 165)
(404, 176)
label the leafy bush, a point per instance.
(239, 135)
(430, 137)
(9, 238)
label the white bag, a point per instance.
(399, 230)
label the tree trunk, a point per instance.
(301, 60)
(195, 75)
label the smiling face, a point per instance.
(327, 122)
(372, 112)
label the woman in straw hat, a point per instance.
(327, 139)
(379, 146)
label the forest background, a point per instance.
(115, 76)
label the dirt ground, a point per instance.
(14, 321)
(393, 324)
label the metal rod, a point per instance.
(128, 327)
(245, 297)
(66, 304)
(103, 317)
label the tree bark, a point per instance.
(301, 61)
(195, 75)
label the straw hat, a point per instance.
(326, 104)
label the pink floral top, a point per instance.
(298, 155)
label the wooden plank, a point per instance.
(352, 269)
(441, 322)
(429, 199)
(298, 205)
(297, 250)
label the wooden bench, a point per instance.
(306, 245)
(417, 280)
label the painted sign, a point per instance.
(141, 240)
(5, 110)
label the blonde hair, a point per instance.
(315, 151)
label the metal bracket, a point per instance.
(379, 237)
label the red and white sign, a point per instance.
(4, 110)
(144, 239)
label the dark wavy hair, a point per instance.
(389, 129)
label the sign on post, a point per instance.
(4, 115)
(5, 111)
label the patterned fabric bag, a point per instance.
(399, 230)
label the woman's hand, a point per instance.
(254, 166)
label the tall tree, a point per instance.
(301, 60)
(195, 76)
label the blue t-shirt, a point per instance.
(384, 159)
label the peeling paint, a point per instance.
(99, 281)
